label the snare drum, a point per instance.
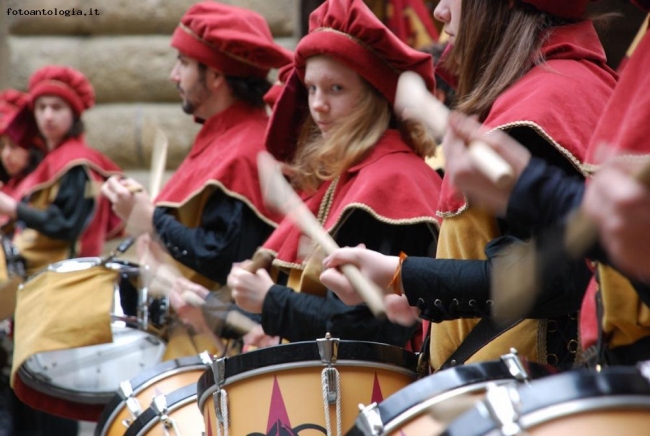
(303, 385)
(71, 363)
(424, 406)
(172, 414)
(135, 395)
(615, 401)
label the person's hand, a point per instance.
(399, 311)
(249, 289)
(375, 266)
(130, 202)
(466, 176)
(620, 207)
(186, 308)
(257, 338)
(7, 205)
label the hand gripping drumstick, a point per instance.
(280, 196)
(213, 306)
(413, 100)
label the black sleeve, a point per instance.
(229, 232)
(447, 289)
(67, 216)
(298, 316)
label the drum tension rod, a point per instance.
(328, 348)
(159, 405)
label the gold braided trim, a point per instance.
(71, 164)
(542, 348)
(360, 43)
(326, 203)
(383, 219)
(541, 132)
(226, 191)
(593, 168)
(212, 46)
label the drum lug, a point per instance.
(369, 420)
(132, 403)
(515, 366)
(159, 405)
(503, 405)
(205, 357)
(328, 348)
(219, 371)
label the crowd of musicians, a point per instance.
(530, 79)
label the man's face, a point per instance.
(190, 82)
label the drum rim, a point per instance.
(411, 400)
(175, 400)
(346, 353)
(144, 380)
(35, 382)
(576, 387)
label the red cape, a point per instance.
(624, 125)
(392, 183)
(224, 155)
(561, 100)
(74, 152)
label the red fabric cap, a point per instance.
(11, 101)
(274, 92)
(65, 82)
(348, 31)
(561, 8)
(232, 40)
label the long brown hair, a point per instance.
(497, 43)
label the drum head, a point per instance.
(92, 374)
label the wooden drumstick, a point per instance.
(413, 100)
(280, 196)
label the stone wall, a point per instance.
(122, 46)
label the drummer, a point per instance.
(59, 214)
(210, 213)
(526, 99)
(360, 170)
(615, 315)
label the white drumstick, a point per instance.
(280, 196)
(413, 100)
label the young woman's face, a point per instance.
(14, 158)
(334, 91)
(54, 118)
(448, 12)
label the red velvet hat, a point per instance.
(65, 82)
(349, 32)
(10, 102)
(274, 92)
(232, 40)
(561, 8)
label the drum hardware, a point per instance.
(442, 396)
(503, 404)
(127, 405)
(159, 405)
(615, 400)
(330, 380)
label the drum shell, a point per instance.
(163, 378)
(268, 384)
(613, 401)
(405, 412)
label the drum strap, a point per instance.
(482, 334)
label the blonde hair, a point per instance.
(319, 159)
